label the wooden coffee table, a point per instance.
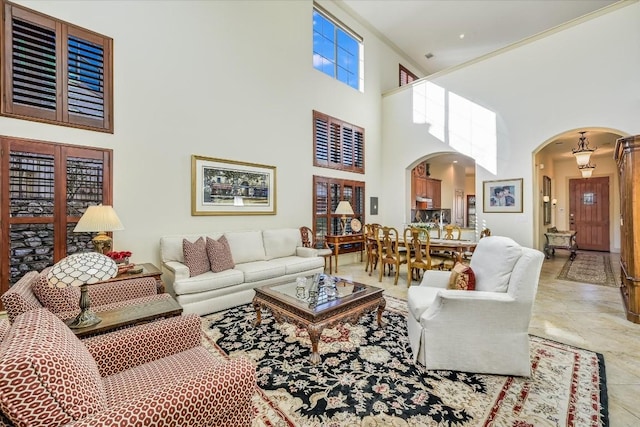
(132, 315)
(352, 301)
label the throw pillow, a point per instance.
(195, 256)
(219, 254)
(57, 300)
(462, 278)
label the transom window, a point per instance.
(406, 76)
(55, 72)
(337, 144)
(337, 50)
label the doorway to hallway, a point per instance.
(589, 212)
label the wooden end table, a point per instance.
(342, 240)
(132, 315)
(353, 300)
(148, 270)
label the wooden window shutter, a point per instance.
(337, 144)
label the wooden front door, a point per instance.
(589, 212)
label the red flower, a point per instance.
(117, 256)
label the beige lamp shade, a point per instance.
(99, 218)
(344, 208)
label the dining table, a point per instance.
(456, 246)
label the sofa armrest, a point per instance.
(126, 348)
(436, 279)
(122, 290)
(218, 396)
(177, 269)
(306, 252)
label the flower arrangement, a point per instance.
(118, 257)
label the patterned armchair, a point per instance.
(32, 291)
(153, 374)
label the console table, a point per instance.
(342, 240)
(561, 240)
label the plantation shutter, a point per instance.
(55, 72)
(32, 75)
(337, 144)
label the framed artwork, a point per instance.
(546, 194)
(228, 187)
(502, 196)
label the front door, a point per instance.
(589, 212)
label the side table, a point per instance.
(148, 270)
(161, 307)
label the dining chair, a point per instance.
(485, 232)
(418, 257)
(371, 246)
(389, 253)
(452, 232)
(309, 241)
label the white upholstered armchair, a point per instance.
(485, 330)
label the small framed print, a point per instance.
(502, 196)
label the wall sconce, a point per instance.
(545, 199)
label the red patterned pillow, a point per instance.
(219, 254)
(57, 300)
(462, 278)
(195, 256)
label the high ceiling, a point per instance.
(420, 27)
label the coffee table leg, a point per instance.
(381, 306)
(256, 306)
(314, 336)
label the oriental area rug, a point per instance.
(594, 268)
(367, 378)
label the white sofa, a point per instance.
(261, 258)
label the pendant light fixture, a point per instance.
(583, 152)
(586, 170)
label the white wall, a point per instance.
(538, 90)
(225, 79)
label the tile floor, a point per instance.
(585, 315)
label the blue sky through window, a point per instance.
(335, 52)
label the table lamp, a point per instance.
(344, 209)
(100, 218)
(81, 270)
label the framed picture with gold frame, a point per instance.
(228, 187)
(502, 195)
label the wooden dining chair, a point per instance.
(419, 259)
(389, 253)
(452, 232)
(485, 232)
(371, 247)
(309, 241)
